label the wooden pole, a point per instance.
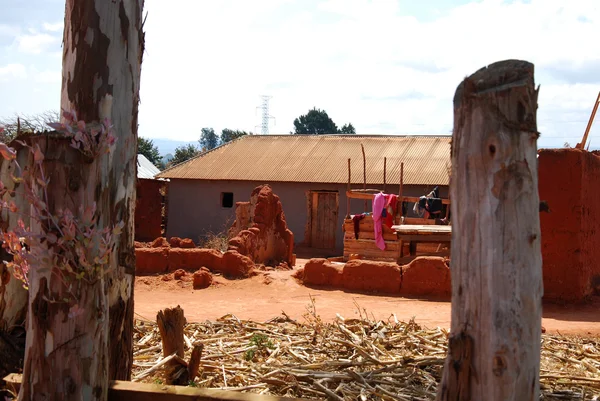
(364, 172)
(589, 125)
(400, 194)
(496, 267)
(384, 173)
(347, 197)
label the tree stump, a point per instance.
(494, 348)
(171, 323)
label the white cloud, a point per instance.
(365, 62)
(48, 77)
(36, 43)
(55, 27)
(12, 71)
(362, 61)
(7, 30)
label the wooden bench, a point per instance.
(421, 233)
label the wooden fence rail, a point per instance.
(129, 391)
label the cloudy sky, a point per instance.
(386, 66)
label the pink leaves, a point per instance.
(70, 116)
(118, 229)
(7, 152)
(92, 139)
(38, 156)
(57, 126)
(75, 311)
(75, 245)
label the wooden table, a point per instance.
(415, 233)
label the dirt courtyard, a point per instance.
(269, 293)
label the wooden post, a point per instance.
(384, 173)
(347, 197)
(496, 267)
(589, 125)
(364, 172)
(400, 203)
(400, 192)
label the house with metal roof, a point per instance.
(149, 201)
(145, 168)
(203, 190)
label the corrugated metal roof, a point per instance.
(322, 159)
(145, 168)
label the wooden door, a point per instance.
(324, 216)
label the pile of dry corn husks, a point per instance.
(348, 359)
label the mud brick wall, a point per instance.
(148, 217)
(569, 180)
(260, 230)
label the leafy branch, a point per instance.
(73, 247)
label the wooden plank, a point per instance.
(367, 228)
(425, 238)
(370, 236)
(422, 229)
(370, 244)
(129, 391)
(359, 245)
(314, 242)
(333, 217)
(419, 221)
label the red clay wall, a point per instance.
(424, 276)
(260, 230)
(148, 208)
(162, 257)
(569, 181)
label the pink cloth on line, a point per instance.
(379, 203)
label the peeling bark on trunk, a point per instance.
(66, 354)
(72, 358)
(101, 78)
(13, 296)
(494, 348)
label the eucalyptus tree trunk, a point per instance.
(73, 349)
(13, 295)
(494, 346)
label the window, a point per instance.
(227, 199)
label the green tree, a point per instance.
(348, 129)
(147, 148)
(208, 139)
(315, 122)
(183, 153)
(228, 135)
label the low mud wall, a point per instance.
(569, 182)
(161, 257)
(424, 276)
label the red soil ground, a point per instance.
(268, 294)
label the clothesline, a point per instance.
(359, 194)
